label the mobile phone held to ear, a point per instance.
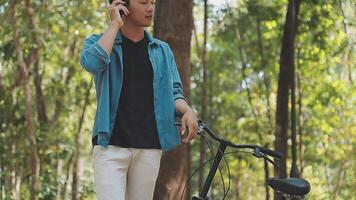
(126, 5)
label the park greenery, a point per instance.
(43, 84)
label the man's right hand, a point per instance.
(114, 11)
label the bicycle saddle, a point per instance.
(292, 186)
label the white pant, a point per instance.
(125, 173)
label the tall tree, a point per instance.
(204, 91)
(77, 164)
(173, 24)
(25, 63)
(286, 66)
(294, 172)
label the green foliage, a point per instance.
(61, 26)
(244, 43)
(327, 117)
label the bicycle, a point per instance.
(291, 188)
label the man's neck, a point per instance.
(133, 32)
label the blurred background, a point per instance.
(277, 73)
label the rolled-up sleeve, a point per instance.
(177, 83)
(93, 57)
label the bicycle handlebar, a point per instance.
(272, 153)
(257, 149)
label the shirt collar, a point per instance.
(151, 40)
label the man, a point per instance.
(138, 91)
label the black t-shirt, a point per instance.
(135, 124)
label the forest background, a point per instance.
(278, 73)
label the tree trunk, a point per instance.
(79, 145)
(33, 59)
(175, 165)
(294, 172)
(40, 102)
(300, 124)
(59, 172)
(294, 168)
(34, 157)
(266, 170)
(203, 100)
(68, 175)
(238, 181)
(18, 182)
(286, 65)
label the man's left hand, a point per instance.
(189, 123)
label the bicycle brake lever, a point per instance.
(258, 154)
(270, 161)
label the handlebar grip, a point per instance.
(269, 152)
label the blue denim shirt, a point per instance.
(108, 77)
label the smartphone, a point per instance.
(127, 2)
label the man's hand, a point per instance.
(189, 123)
(114, 10)
(107, 40)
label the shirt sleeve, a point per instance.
(177, 83)
(93, 57)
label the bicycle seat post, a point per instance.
(219, 155)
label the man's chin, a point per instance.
(147, 25)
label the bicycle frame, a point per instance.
(219, 155)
